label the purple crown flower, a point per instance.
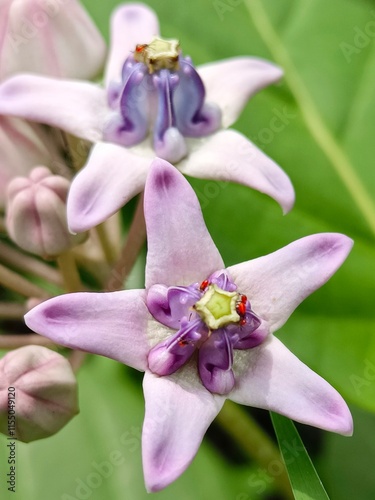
(154, 101)
(203, 332)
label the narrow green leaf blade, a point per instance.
(303, 477)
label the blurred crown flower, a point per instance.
(203, 333)
(36, 213)
(51, 37)
(39, 388)
(152, 90)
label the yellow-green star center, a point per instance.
(217, 307)
(159, 54)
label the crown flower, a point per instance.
(154, 102)
(55, 38)
(203, 332)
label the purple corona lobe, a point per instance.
(168, 101)
(178, 307)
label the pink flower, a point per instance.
(53, 37)
(167, 108)
(203, 332)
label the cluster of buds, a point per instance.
(55, 38)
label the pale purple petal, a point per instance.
(79, 108)
(277, 283)
(277, 380)
(180, 249)
(110, 324)
(50, 37)
(111, 177)
(229, 156)
(177, 417)
(231, 83)
(131, 24)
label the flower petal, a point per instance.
(111, 177)
(55, 38)
(231, 83)
(176, 420)
(79, 108)
(229, 156)
(277, 380)
(277, 283)
(130, 24)
(180, 249)
(110, 324)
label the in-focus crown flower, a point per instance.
(39, 389)
(203, 332)
(36, 213)
(154, 101)
(55, 38)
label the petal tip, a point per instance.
(162, 174)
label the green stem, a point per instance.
(69, 271)
(12, 310)
(255, 443)
(107, 247)
(2, 225)
(310, 113)
(17, 283)
(13, 257)
(130, 251)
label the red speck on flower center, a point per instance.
(140, 47)
(241, 309)
(204, 285)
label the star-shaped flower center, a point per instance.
(158, 54)
(217, 307)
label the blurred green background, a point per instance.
(332, 48)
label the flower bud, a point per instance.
(39, 389)
(36, 213)
(22, 147)
(51, 37)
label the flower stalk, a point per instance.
(13, 257)
(130, 251)
(13, 281)
(68, 267)
(257, 445)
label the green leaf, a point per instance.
(347, 466)
(305, 482)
